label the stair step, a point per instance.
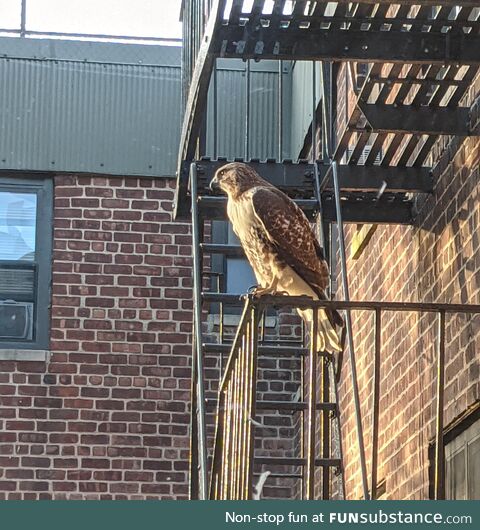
(292, 461)
(281, 405)
(290, 351)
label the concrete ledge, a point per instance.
(24, 355)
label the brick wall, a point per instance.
(435, 260)
(107, 416)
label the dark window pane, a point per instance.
(456, 478)
(240, 275)
(474, 470)
(16, 320)
(18, 213)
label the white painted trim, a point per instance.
(24, 355)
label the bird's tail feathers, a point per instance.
(328, 339)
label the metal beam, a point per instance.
(363, 211)
(371, 178)
(418, 120)
(352, 178)
(464, 3)
(382, 211)
(348, 45)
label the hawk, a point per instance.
(279, 243)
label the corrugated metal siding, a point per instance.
(60, 112)
(89, 117)
(264, 112)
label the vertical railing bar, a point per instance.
(302, 418)
(245, 419)
(198, 356)
(224, 412)
(228, 443)
(312, 398)
(325, 439)
(439, 444)
(235, 404)
(215, 109)
(376, 400)
(193, 460)
(252, 380)
(348, 322)
(247, 110)
(243, 412)
(314, 112)
(280, 111)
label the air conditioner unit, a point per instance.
(16, 320)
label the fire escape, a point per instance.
(419, 60)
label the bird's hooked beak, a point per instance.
(214, 184)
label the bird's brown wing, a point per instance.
(291, 233)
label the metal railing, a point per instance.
(232, 467)
(234, 441)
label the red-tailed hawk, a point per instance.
(279, 244)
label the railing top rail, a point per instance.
(304, 302)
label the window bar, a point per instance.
(312, 395)
(197, 343)
(247, 111)
(439, 445)
(376, 400)
(348, 322)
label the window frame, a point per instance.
(42, 186)
(456, 446)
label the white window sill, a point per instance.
(24, 355)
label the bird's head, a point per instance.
(234, 179)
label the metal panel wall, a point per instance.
(74, 115)
(264, 110)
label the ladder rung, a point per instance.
(281, 475)
(233, 251)
(292, 461)
(291, 351)
(281, 405)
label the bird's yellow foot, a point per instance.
(265, 291)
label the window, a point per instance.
(462, 456)
(233, 274)
(25, 262)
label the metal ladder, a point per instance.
(235, 388)
(207, 207)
